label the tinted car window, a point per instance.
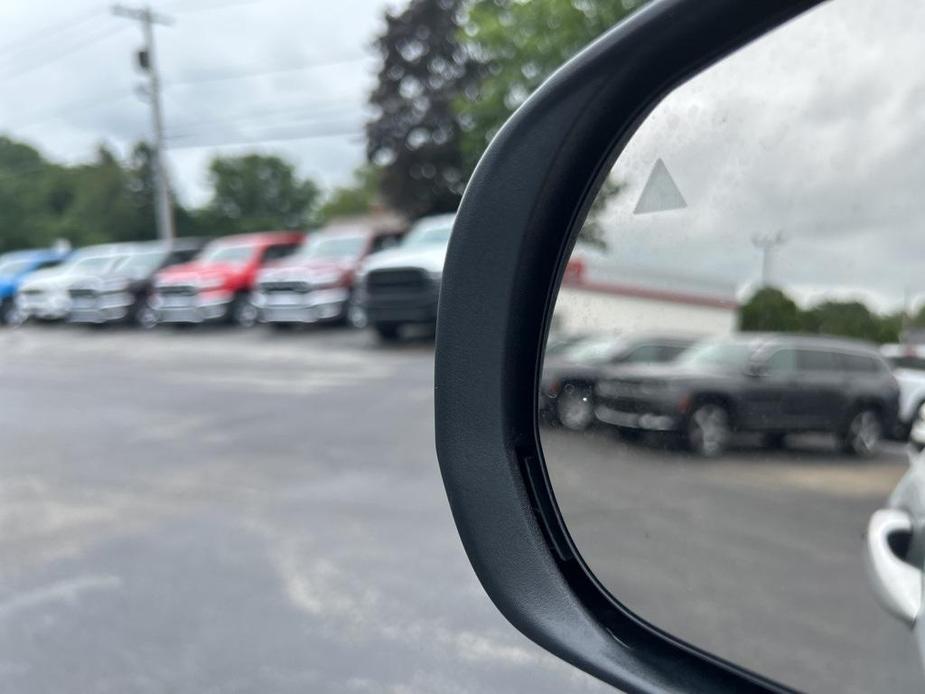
(645, 354)
(816, 360)
(916, 363)
(859, 363)
(279, 251)
(384, 241)
(782, 361)
(670, 352)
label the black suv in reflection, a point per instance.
(570, 373)
(773, 384)
(122, 294)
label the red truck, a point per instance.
(217, 284)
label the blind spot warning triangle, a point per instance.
(660, 193)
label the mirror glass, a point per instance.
(737, 355)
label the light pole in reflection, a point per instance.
(767, 243)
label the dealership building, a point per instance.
(598, 295)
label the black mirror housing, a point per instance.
(513, 234)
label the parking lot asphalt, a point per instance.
(245, 511)
(756, 556)
(236, 511)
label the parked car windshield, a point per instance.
(224, 253)
(93, 263)
(141, 263)
(726, 355)
(13, 266)
(333, 246)
(428, 236)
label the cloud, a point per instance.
(814, 131)
(241, 71)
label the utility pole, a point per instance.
(767, 243)
(163, 205)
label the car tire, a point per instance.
(575, 406)
(144, 316)
(8, 313)
(863, 433)
(388, 332)
(356, 315)
(709, 428)
(243, 313)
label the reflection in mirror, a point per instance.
(737, 356)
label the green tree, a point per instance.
(770, 309)
(518, 44)
(415, 135)
(843, 318)
(359, 197)
(256, 192)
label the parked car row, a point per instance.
(708, 390)
(354, 272)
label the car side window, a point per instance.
(670, 352)
(816, 360)
(47, 264)
(278, 251)
(644, 354)
(383, 241)
(782, 361)
(180, 256)
(859, 363)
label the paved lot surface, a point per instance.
(225, 511)
(756, 556)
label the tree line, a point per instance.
(771, 309)
(451, 72)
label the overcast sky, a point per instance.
(67, 77)
(816, 131)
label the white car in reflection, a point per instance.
(895, 543)
(908, 364)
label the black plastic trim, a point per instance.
(513, 234)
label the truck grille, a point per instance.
(282, 287)
(177, 290)
(82, 293)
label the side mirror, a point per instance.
(512, 238)
(644, 627)
(756, 369)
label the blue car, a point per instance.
(15, 266)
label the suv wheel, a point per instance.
(243, 313)
(864, 432)
(145, 317)
(356, 315)
(574, 407)
(8, 312)
(708, 430)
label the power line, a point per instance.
(202, 79)
(77, 105)
(308, 112)
(50, 31)
(300, 135)
(213, 6)
(58, 53)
